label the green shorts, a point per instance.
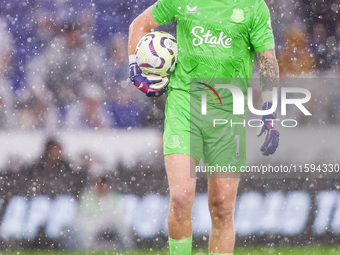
(219, 138)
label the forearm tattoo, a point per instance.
(269, 70)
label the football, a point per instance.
(156, 53)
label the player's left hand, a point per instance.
(150, 85)
(271, 141)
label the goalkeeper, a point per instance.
(216, 39)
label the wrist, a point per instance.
(132, 59)
(133, 67)
(267, 97)
(267, 106)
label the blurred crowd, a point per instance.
(307, 37)
(63, 63)
(96, 189)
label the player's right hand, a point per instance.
(150, 85)
(271, 141)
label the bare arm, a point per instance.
(269, 70)
(140, 27)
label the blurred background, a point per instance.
(81, 163)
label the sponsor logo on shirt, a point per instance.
(208, 37)
(191, 10)
(238, 15)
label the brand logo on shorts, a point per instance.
(173, 141)
(238, 15)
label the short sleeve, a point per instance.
(261, 34)
(163, 11)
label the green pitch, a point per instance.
(238, 251)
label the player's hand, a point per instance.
(271, 141)
(150, 85)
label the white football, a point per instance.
(156, 53)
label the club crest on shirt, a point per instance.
(238, 15)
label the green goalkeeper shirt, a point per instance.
(216, 38)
